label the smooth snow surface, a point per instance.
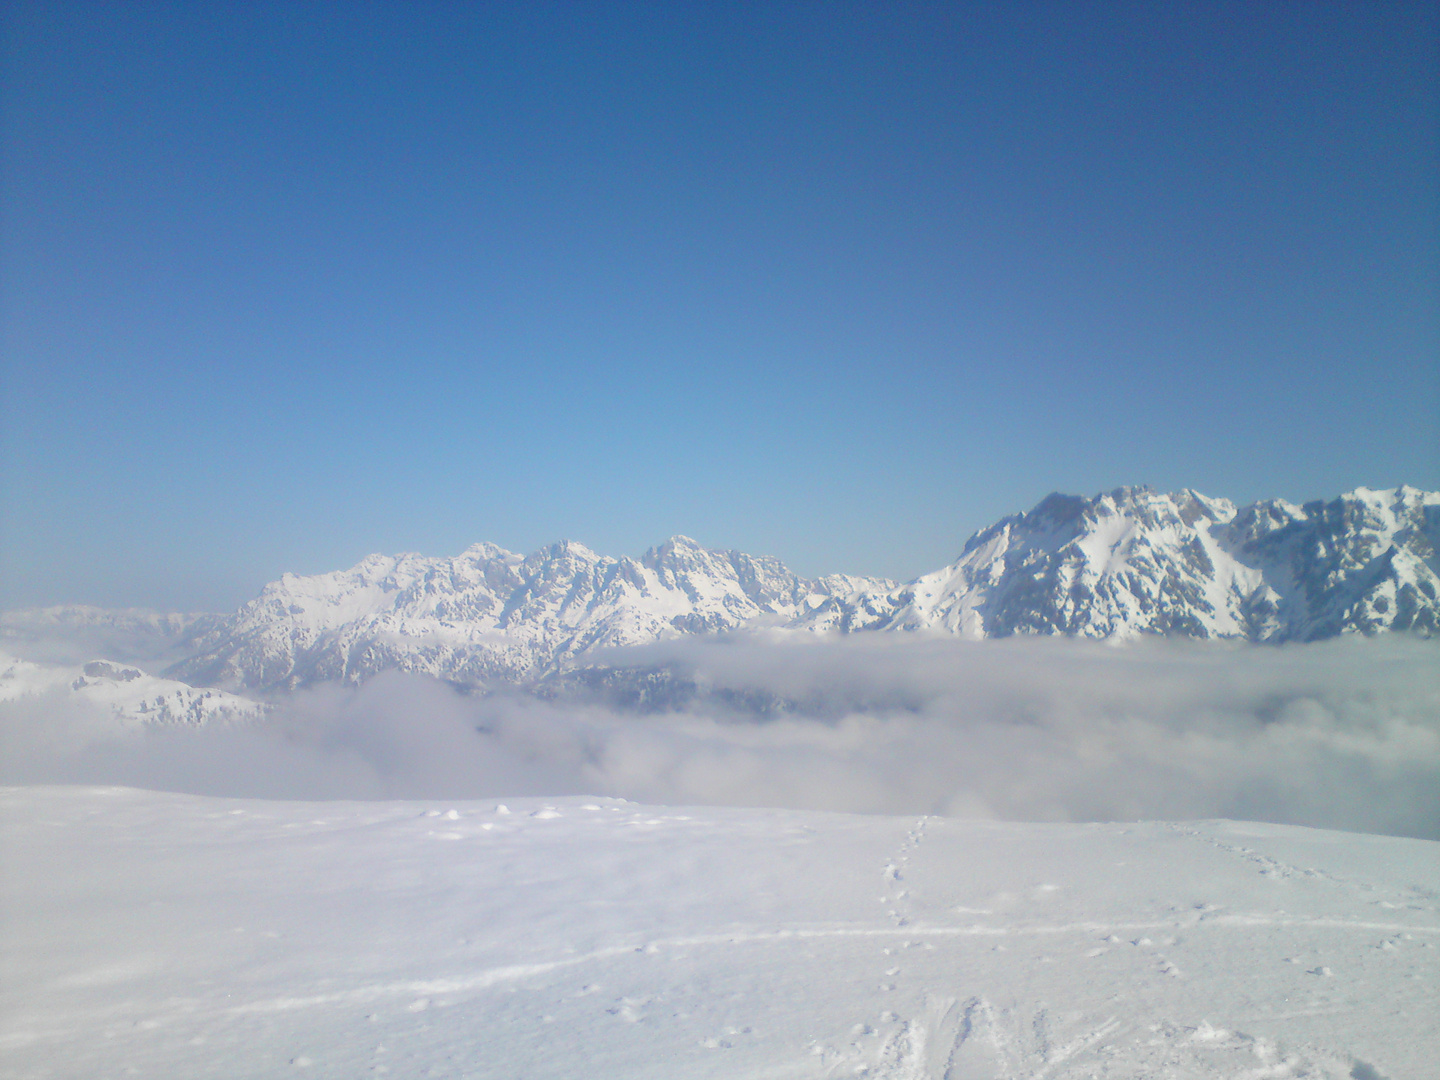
(177, 936)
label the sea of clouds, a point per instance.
(1342, 734)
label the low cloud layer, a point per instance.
(1342, 734)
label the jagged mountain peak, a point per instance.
(567, 549)
(681, 553)
(1142, 503)
(678, 542)
(488, 552)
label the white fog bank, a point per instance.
(1343, 734)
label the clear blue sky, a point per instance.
(285, 284)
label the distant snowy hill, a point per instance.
(1128, 563)
(125, 693)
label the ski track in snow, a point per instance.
(905, 933)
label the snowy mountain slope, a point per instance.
(1135, 561)
(489, 615)
(1367, 561)
(178, 936)
(125, 693)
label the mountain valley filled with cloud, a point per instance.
(614, 701)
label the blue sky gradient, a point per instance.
(285, 284)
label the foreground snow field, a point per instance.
(177, 936)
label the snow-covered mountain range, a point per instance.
(491, 616)
(1123, 564)
(1135, 561)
